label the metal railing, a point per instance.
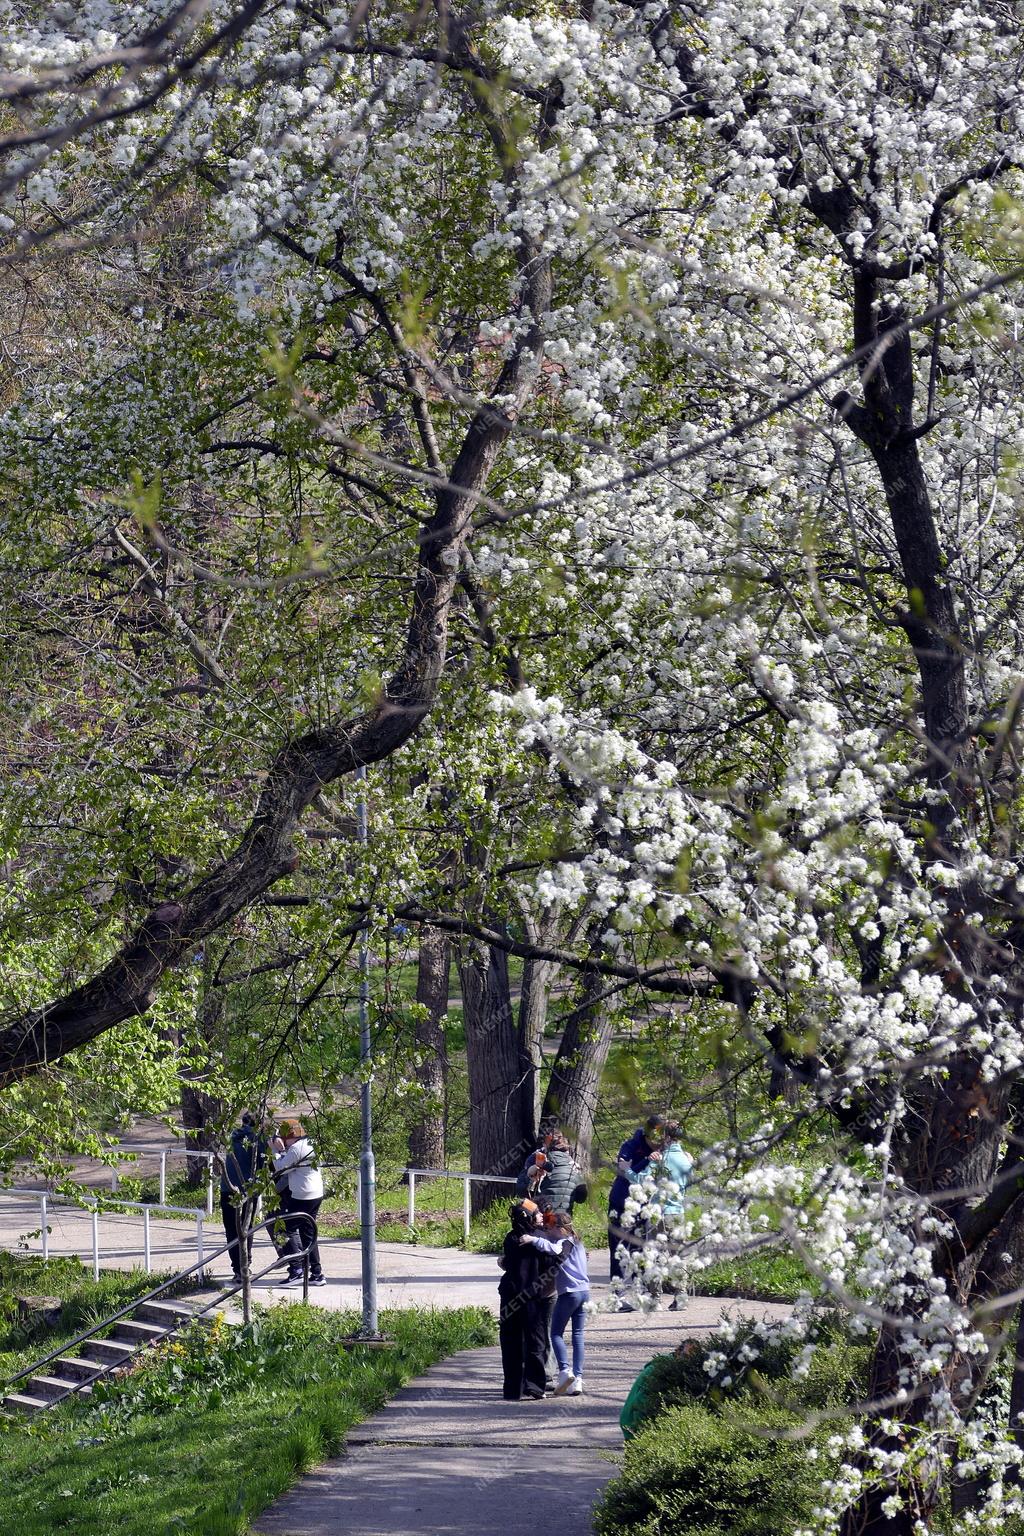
(217, 1301)
(47, 1201)
(164, 1152)
(209, 1158)
(412, 1174)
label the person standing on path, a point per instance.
(551, 1176)
(245, 1157)
(634, 1155)
(573, 1284)
(296, 1160)
(522, 1311)
(675, 1168)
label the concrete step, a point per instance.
(108, 1351)
(21, 1402)
(76, 1370)
(50, 1387)
(139, 1333)
(168, 1314)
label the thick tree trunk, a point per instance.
(427, 1135)
(538, 976)
(499, 1138)
(202, 1113)
(575, 1080)
(538, 979)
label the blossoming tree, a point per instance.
(669, 355)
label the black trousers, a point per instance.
(523, 1336)
(230, 1213)
(298, 1236)
(614, 1239)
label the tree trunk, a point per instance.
(538, 976)
(202, 1113)
(499, 1138)
(426, 1136)
(538, 979)
(575, 1080)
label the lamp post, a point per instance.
(367, 1170)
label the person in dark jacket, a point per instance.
(245, 1157)
(634, 1155)
(523, 1310)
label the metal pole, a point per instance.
(95, 1244)
(200, 1254)
(45, 1234)
(209, 1184)
(147, 1252)
(163, 1177)
(367, 1170)
(412, 1199)
(465, 1207)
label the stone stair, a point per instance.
(150, 1322)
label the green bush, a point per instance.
(702, 1470)
(837, 1373)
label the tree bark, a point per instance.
(427, 1135)
(575, 1081)
(499, 1140)
(202, 1113)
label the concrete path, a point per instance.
(448, 1457)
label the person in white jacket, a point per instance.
(295, 1160)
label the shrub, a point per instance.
(698, 1470)
(837, 1373)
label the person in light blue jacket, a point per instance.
(676, 1166)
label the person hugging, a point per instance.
(572, 1281)
(523, 1310)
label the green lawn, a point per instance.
(209, 1431)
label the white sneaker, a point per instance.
(564, 1384)
(576, 1390)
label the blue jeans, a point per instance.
(569, 1307)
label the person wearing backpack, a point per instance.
(296, 1162)
(552, 1175)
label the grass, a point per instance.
(770, 1275)
(211, 1431)
(85, 1302)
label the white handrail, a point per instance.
(47, 1200)
(447, 1173)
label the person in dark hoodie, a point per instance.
(523, 1311)
(244, 1159)
(634, 1155)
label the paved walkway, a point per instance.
(448, 1457)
